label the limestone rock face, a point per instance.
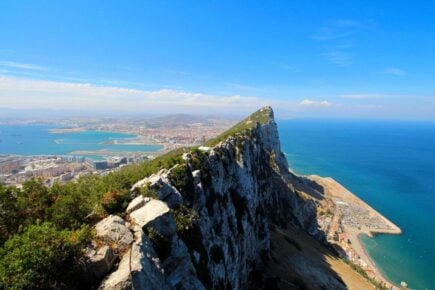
(161, 185)
(99, 263)
(181, 272)
(114, 238)
(114, 231)
(156, 214)
(137, 203)
(237, 189)
(139, 268)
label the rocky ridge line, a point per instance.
(205, 223)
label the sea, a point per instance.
(391, 166)
(38, 140)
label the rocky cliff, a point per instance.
(207, 222)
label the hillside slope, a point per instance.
(226, 216)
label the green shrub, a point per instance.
(181, 177)
(33, 201)
(185, 218)
(188, 228)
(115, 201)
(9, 221)
(42, 257)
(160, 243)
(72, 207)
(147, 191)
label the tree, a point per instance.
(8, 212)
(42, 257)
(33, 201)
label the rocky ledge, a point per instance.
(206, 223)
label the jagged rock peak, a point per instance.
(263, 116)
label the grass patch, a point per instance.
(261, 117)
(147, 191)
(363, 273)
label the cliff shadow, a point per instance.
(298, 261)
(308, 186)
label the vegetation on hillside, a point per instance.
(42, 257)
(44, 229)
(261, 117)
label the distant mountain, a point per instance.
(175, 120)
(149, 118)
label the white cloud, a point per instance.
(311, 103)
(26, 66)
(29, 93)
(394, 71)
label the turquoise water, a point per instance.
(37, 140)
(390, 165)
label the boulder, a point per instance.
(160, 184)
(137, 203)
(113, 231)
(99, 263)
(140, 268)
(155, 213)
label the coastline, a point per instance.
(135, 140)
(66, 130)
(340, 195)
(366, 256)
(131, 140)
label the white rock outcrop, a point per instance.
(98, 262)
(139, 268)
(113, 231)
(137, 203)
(156, 214)
(161, 185)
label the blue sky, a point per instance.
(335, 59)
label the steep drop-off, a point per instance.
(227, 217)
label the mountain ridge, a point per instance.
(211, 220)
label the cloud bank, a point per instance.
(311, 103)
(28, 93)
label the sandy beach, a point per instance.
(357, 218)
